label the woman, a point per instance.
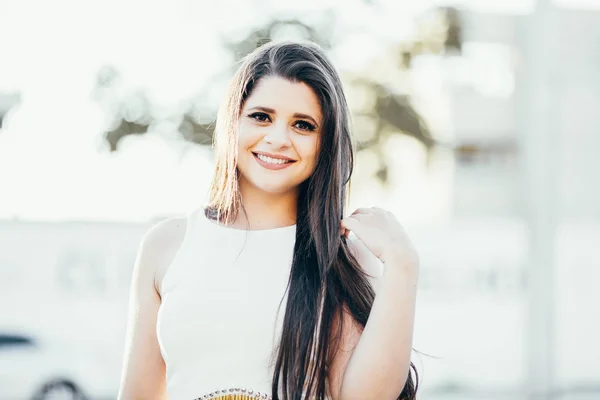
(205, 315)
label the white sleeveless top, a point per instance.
(218, 323)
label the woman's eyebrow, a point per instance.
(296, 115)
(265, 109)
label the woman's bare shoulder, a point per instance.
(160, 245)
(166, 232)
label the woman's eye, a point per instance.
(305, 126)
(259, 116)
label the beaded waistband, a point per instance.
(235, 394)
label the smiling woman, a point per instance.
(207, 289)
(277, 132)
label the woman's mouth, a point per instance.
(273, 163)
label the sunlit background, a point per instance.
(477, 122)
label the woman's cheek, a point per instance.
(248, 136)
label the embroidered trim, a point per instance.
(235, 394)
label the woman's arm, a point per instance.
(373, 363)
(377, 359)
(143, 374)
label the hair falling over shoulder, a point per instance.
(325, 278)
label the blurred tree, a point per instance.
(391, 111)
(197, 132)
(279, 28)
(130, 116)
(439, 32)
(123, 129)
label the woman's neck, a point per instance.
(262, 210)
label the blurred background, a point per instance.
(477, 122)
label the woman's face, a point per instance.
(278, 137)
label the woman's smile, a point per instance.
(272, 162)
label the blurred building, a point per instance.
(497, 81)
(485, 93)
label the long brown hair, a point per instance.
(325, 278)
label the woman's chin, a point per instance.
(274, 188)
(273, 185)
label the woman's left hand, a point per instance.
(383, 235)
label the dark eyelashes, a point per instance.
(259, 116)
(300, 124)
(307, 126)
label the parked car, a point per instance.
(33, 368)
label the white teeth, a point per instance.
(271, 160)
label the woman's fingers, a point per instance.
(379, 209)
(350, 224)
(362, 210)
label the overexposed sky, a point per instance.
(53, 163)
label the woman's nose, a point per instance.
(278, 135)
